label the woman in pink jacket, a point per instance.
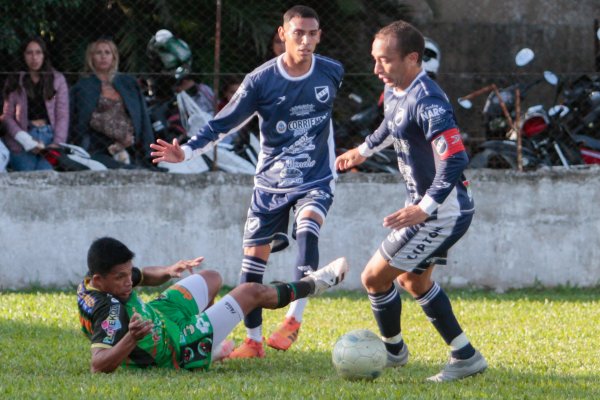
(36, 109)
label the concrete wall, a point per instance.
(535, 228)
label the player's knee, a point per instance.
(254, 290)
(369, 280)
(213, 279)
(414, 284)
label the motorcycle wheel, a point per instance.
(492, 159)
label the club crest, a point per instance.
(322, 93)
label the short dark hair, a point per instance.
(105, 253)
(300, 11)
(408, 38)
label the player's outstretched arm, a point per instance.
(108, 360)
(165, 151)
(154, 276)
(349, 159)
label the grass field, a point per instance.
(540, 344)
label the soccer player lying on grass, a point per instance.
(177, 329)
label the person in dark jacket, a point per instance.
(109, 114)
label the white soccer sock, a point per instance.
(255, 333)
(296, 309)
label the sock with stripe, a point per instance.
(436, 305)
(253, 270)
(290, 291)
(307, 238)
(387, 308)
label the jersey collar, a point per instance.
(402, 93)
(284, 73)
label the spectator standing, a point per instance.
(36, 109)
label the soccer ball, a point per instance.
(359, 354)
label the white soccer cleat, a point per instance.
(459, 369)
(328, 276)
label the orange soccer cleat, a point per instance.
(285, 335)
(249, 349)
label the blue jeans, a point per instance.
(27, 161)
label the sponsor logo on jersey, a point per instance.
(112, 324)
(297, 162)
(287, 182)
(287, 173)
(302, 126)
(302, 109)
(280, 100)
(302, 145)
(432, 112)
(399, 117)
(280, 127)
(401, 146)
(448, 143)
(252, 224)
(322, 93)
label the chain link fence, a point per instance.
(227, 39)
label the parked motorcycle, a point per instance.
(515, 141)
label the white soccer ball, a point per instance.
(359, 354)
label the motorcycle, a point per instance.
(520, 142)
(175, 115)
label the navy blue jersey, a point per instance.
(296, 132)
(420, 122)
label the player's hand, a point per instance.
(165, 151)
(138, 327)
(407, 216)
(180, 266)
(349, 159)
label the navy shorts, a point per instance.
(417, 247)
(269, 214)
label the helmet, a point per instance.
(431, 58)
(173, 54)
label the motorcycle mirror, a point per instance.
(465, 103)
(560, 110)
(524, 57)
(551, 78)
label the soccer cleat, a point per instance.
(249, 349)
(222, 350)
(400, 360)
(285, 335)
(458, 369)
(328, 276)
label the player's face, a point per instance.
(34, 56)
(301, 36)
(393, 69)
(117, 282)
